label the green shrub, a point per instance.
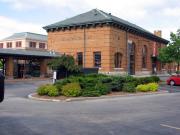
(103, 89)
(91, 92)
(131, 79)
(153, 86)
(42, 90)
(117, 83)
(155, 79)
(71, 90)
(129, 87)
(151, 79)
(147, 87)
(48, 89)
(52, 90)
(88, 82)
(142, 88)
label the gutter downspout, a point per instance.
(127, 54)
(84, 57)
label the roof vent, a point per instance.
(109, 13)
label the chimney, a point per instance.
(158, 33)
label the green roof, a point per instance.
(27, 35)
(30, 53)
(96, 16)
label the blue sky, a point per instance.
(32, 15)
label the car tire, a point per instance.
(172, 83)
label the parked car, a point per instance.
(173, 80)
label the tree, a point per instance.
(171, 53)
(65, 62)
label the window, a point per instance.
(117, 60)
(42, 45)
(97, 59)
(32, 44)
(9, 44)
(144, 57)
(1, 45)
(80, 58)
(18, 44)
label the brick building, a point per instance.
(115, 46)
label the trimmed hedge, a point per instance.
(129, 87)
(98, 84)
(71, 90)
(49, 90)
(147, 87)
(42, 90)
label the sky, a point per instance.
(31, 15)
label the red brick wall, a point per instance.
(106, 39)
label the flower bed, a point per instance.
(95, 85)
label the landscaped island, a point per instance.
(94, 85)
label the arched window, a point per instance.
(144, 56)
(117, 60)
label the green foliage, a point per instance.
(90, 92)
(171, 53)
(42, 90)
(48, 89)
(153, 86)
(102, 88)
(117, 83)
(97, 84)
(71, 90)
(142, 88)
(129, 87)
(52, 90)
(66, 62)
(151, 79)
(1, 64)
(147, 87)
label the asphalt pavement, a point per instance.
(137, 115)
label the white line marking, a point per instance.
(164, 125)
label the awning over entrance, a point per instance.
(19, 63)
(30, 53)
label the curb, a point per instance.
(30, 96)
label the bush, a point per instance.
(71, 90)
(153, 86)
(147, 87)
(142, 88)
(42, 90)
(129, 87)
(155, 79)
(117, 83)
(102, 88)
(88, 82)
(52, 91)
(152, 79)
(49, 90)
(91, 92)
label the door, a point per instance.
(132, 59)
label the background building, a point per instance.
(25, 55)
(115, 46)
(25, 40)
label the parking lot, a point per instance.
(146, 115)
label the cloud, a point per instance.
(9, 26)
(173, 12)
(150, 14)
